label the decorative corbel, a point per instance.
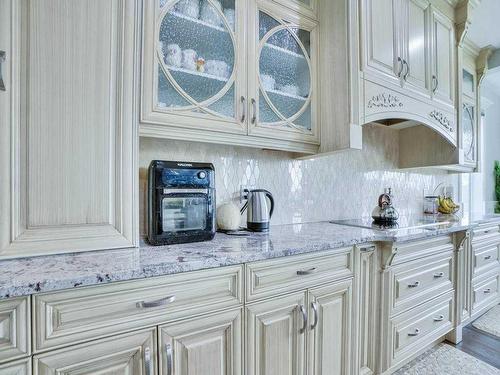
(388, 257)
(463, 19)
(461, 244)
(482, 62)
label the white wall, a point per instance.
(344, 185)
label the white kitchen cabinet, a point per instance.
(330, 317)
(15, 338)
(208, 345)
(282, 74)
(443, 58)
(132, 353)
(381, 25)
(276, 336)
(244, 73)
(68, 132)
(21, 367)
(416, 51)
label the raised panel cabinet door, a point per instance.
(442, 80)
(282, 74)
(275, 336)
(72, 129)
(330, 316)
(14, 328)
(383, 34)
(207, 345)
(21, 367)
(194, 65)
(416, 72)
(130, 354)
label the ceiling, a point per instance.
(484, 29)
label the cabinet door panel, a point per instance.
(282, 75)
(193, 64)
(210, 345)
(133, 353)
(21, 367)
(381, 31)
(73, 142)
(275, 343)
(443, 58)
(329, 352)
(417, 45)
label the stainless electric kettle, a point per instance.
(258, 211)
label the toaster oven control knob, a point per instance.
(202, 175)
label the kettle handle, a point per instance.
(271, 199)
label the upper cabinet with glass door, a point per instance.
(194, 71)
(282, 75)
(231, 71)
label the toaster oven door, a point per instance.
(181, 213)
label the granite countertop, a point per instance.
(25, 276)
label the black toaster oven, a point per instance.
(181, 202)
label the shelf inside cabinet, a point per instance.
(190, 22)
(193, 74)
(276, 95)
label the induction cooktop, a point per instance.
(410, 222)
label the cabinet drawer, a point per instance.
(14, 328)
(486, 258)
(268, 278)
(421, 326)
(485, 292)
(486, 232)
(88, 313)
(418, 281)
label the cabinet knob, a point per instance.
(487, 257)
(168, 353)
(316, 317)
(243, 109)
(487, 291)
(304, 318)
(439, 318)
(306, 272)
(438, 274)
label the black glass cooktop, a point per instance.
(412, 222)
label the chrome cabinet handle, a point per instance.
(148, 364)
(435, 84)
(306, 272)
(487, 257)
(414, 285)
(439, 318)
(437, 275)
(407, 69)
(168, 352)
(316, 317)
(415, 333)
(3, 57)
(244, 108)
(304, 318)
(487, 291)
(254, 110)
(401, 65)
(160, 302)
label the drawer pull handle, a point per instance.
(304, 318)
(438, 274)
(439, 318)
(148, 364)
(160, 302)
(415, 333)
(306, 272)
(316, 317)
(414, 285)
(2, 60)
(487, 257)
(168, 352)
(487, 291)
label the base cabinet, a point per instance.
(276, 342)
(330, 329)
(209, 345)
(132, 353)
(22, 367)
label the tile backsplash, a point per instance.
(339, 186)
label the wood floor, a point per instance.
(481, 345)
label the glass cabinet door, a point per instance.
(469, 132)
(282, 77)
(196, 64)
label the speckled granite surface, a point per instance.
(26, 276)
